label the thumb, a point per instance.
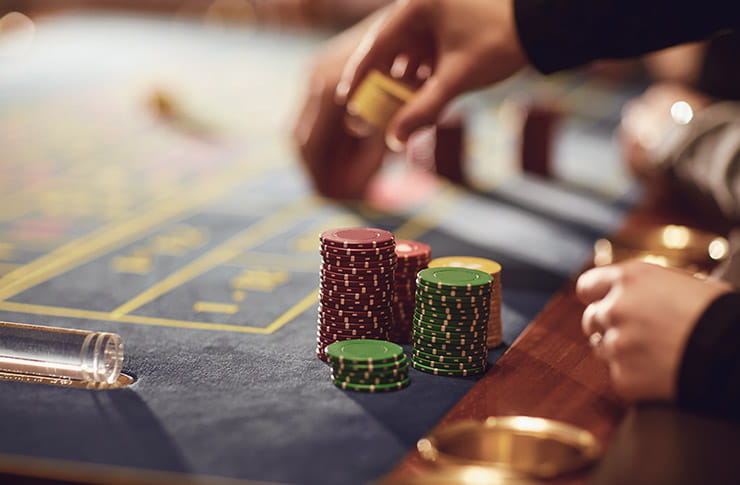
(596, 283)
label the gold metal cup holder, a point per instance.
(519, 448)
(671, 245)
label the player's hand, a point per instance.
(647, 121)
(340, 165)
(467, 44)
(644, 314)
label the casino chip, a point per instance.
(412, 256)
(368, 365)
(450, 321)
(495, 327)
(356, 288)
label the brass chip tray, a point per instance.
(518, 446)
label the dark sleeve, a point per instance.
(560, 34)
(709, 376)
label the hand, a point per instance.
(647, 120)
(645, 314)
(467, 44)
(339, 164)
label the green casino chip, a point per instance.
(364, 351)
(440, 313)
(451, 300)
(451, 336)
(434, 292)
(377, 381)
(450, 365)
(454, 278)
(372, 387)
(443, 356)
(378, 373)
(433, 340)
(350, 367)
(450, 325)
(446, 350)
(449, 319)
(461, 332)
(440, 307)
(447, 372)
(454, 323)
(451, 314)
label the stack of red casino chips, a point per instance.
(412, 256)
(356, 285)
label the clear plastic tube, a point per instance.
(60, 352)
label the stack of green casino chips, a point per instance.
(368, 365)
(451, 321)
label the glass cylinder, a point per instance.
(60, 352)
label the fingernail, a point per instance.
(393, 143)
(340, 95)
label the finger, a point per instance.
(595, 283)
(420, 148)
(399, 66)
(424, 71)
(424, 108)
(609, 344)
(378, 48)
(590, 321)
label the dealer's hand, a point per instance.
(644, 315)
(467, 44)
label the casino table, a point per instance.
(194, 237)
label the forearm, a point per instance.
(567, 33)
(709, 375)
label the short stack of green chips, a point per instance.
(451, 321)
(368, 365)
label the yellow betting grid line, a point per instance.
(308, 300)
(251, 236)
(94, 315)
(415, 227)
(215, 307)
(117, 233)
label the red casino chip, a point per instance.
(357, 237)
